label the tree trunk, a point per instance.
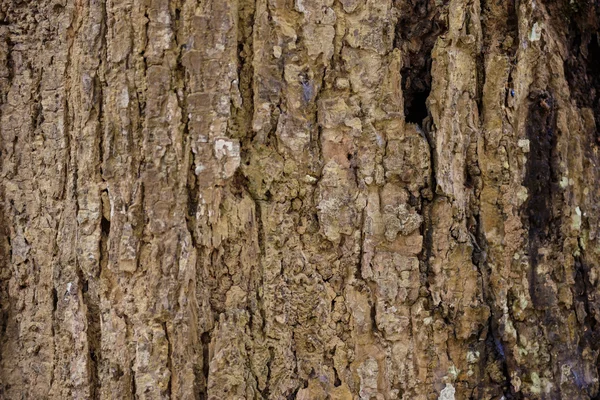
(299, 199)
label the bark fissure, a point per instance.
(582, 20)
(541, 181)
(418, 27)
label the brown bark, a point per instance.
(311, 199)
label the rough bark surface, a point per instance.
(299, 199)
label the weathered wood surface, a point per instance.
(310, 199)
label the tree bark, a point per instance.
(299, 199)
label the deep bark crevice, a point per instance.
(495, 350)
(267, 390)
(242, 114)
(205, 339)
(169, 359)
(418, 27)
(541, 182)
(581, 21)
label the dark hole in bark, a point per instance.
(417, 30)
(105, 224)
(3, 322)
(268, 195)
(54, 299)
(337, 382)
(205, 344)
(416, 110)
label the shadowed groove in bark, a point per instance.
(6, 305)
(267, 390)
(584, 295)
(203, 389)
(5, 273)
(91, 297)
(242, 114)
(541, 182)
(581, 21)
(495, 350)
(417, 30)
(90, 286)
(169, 359)
(418, 27)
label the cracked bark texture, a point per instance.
(299, 199)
